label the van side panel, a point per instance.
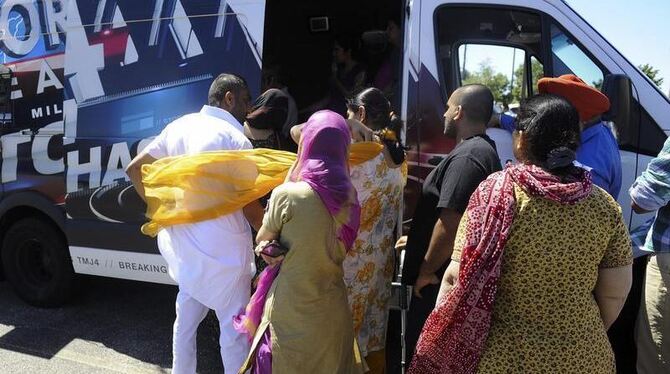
(130, 70)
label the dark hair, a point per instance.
(222, 84)
(379, 118)
(269, 111)
(550, 126)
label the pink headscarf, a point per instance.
(322, 163)
(323, 157)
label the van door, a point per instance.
(135, 67)
(410, 112)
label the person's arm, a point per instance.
(295, 133)
(651, 190)
(263, 237)
(611, 291)
(637, 209)
(503, 121)
(153, 151)
(254, 214)
(439, 249)
(448, 280)
(134, 171)
(401, 243)
(614, 271)
(279, 212)
(494, 121)
(359, 132)
(451, 274)
(459, 181)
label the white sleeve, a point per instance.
(239, 142)
(158, 147)
(246, 144)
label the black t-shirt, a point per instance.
(449, 185)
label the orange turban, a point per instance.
(588, 100)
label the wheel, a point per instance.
(37, 263)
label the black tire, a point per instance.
(37, 263)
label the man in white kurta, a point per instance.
(211, 261)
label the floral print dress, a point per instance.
(369, 265)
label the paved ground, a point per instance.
(112, 326)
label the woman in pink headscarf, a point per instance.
(306, 325)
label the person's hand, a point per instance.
(260, 246)
(402, 242)
(637, 209)
(424, 280)
(272, 261)
(360, 132)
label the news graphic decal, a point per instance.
(93, 81)
(32, 47)
(125, 80)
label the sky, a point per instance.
(638, 29)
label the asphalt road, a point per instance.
(112, 326)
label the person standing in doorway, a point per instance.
(444, 197)
(368, 267)
(214, 252)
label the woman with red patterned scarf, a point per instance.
(541, 264)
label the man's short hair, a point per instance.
(477, 102)
(222, 84)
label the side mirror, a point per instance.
(618, 88)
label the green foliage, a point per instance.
(652, 73)
(496, 82)
(537, 71)
(504, 91)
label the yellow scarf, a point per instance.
(188, 189)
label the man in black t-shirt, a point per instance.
(444, 198)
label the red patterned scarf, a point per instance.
(453, 338)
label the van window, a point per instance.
(568, 58)
(502, 38)
(502, 69)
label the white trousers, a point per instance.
(190, 312)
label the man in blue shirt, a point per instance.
(599, 151)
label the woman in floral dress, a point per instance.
(368, 267)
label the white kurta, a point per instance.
(211, 260)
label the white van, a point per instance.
(87, 83)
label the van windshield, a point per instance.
(568, 58)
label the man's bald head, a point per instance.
(476, 101)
